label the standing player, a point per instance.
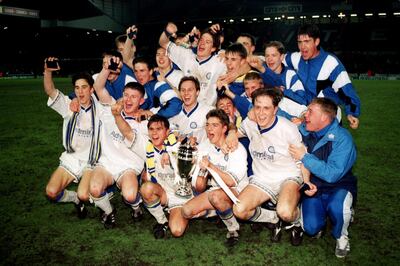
(232, 169)
(191, 120)
(276, 177)
(78, 138)
(166, 71)
(204, 65)
(322, 74)
(118, 164)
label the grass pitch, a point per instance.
(35, 231)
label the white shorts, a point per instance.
(117, 170)
(73, 165)
(272, 188)
(174, 201)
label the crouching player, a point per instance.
(78, 137)
(232, 168)
(117, 164)
(276, 177)
(158, 190)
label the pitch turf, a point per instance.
(35, 231)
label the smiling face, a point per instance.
(233, 61)
(215, 131)
(264, 111)
(158, 133)
(205, 47)
(274, 59)
(314, 118)
(132, 99)
(251, 85)
(247, 43)
(142, 73)
(308, 46)
(163, 62)
(188, 93)
(227, 106)
(83, 91)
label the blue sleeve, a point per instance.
(284, 114)
(242, 105)
(339, 162)
(345, 91)
(288, 60)
(169, 103)
(270, 78)
(237, 88)
(298, 95)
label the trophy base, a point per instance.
(184, 192)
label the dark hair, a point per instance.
(252, 76)
(248, 35)
(215, 38)
(327, 105)
(143, 60)
(158, 119)
(135, 86)
(236, 48)
(223, 97)
(278, 45)
(120, 39)
(221, 115)
(192, 79)
(311, 30)
(83, 75)
(274, 94)
(112, 53)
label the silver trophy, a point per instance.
(185, 168)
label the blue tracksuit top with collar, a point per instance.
(330, 158)
(116, 87)
(160, 94)
(327, 74)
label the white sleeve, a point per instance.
(60, 104)
(138, 144)
(237, 164)
(178, 54)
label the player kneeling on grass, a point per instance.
(329, 155)
(79, 130)
(276, 176)
(231, 167)
(158, 190)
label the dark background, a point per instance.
(362, 43)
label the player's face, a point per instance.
(307, 46)
(227, 106)
(251, 85)
(233, 61)
(189, 93)
(313, 117)
(83, 91)
(142, 73)
(113, 75)
(215, 131)
(162, 59)
(246, 42)
(264, 111)
(158, 133)
(274, 59)
(205, 47)
(131, 100)
(120, 47)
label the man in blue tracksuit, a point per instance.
(329, 155)
(322, 74)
